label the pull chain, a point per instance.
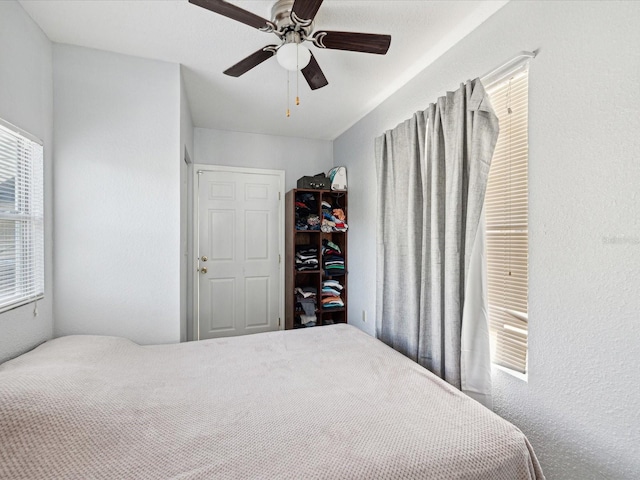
(288, 111)
(297, 74)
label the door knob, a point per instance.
(204, 258)
(203, 270)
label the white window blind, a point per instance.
(21, 218)
(506, 210)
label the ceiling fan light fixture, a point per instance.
(293, 56)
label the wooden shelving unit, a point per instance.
(313, 278)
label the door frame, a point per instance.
(195, 240)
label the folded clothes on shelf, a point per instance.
(333, 220)
(306, 301)
(332, 259)
(333, 265)
(328, 247)
(339, 214)
(331, 290)
(332, 302)
(306, 258)
(306, 207)
(306, 292)
(335, 284)
(308, 320)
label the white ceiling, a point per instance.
(206, 44)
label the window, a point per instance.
(21, 218)
(506, 210)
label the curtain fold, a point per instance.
(432, 174)
(400, 233)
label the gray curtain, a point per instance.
(431, 175)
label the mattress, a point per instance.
(317, 403)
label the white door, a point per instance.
(239, 245)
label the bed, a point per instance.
(316, 403)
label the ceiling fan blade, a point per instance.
(235, 13)
(253, 60)
(354, 42)
(304, 11)
(313, 74)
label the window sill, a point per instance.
(520, 376)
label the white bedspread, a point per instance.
(327, 402)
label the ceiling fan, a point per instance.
(292, 23)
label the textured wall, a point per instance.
(117, 202)
(26, 100)
(580, 407)
(296, 156)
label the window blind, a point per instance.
(21, 218)
(506, 210)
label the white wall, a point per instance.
(117, 203)
(185, 153)
(581, 405)
(26, 100)
(296, 156)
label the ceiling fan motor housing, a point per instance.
(281, 16)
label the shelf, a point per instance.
(313, 278)
(335, 322)
(324, 310)
(315, 190)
